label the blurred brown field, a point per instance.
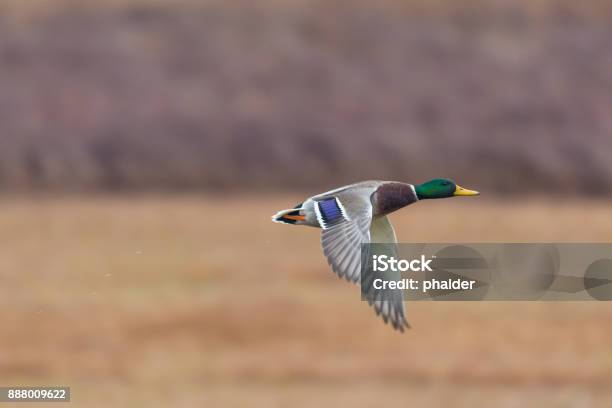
(202, 301)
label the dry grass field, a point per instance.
(202, 301)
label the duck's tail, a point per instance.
(291, 216)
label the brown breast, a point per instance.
(392, 196)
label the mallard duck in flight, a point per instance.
(356, 214)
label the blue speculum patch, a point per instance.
(330, 211)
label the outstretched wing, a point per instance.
(345, 227)
(387, 303)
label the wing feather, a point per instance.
(388, 302)
(341, 239)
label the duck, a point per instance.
(356, 214)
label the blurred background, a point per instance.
(145, 144)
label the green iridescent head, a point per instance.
(441, 188)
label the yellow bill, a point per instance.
(460, 191)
